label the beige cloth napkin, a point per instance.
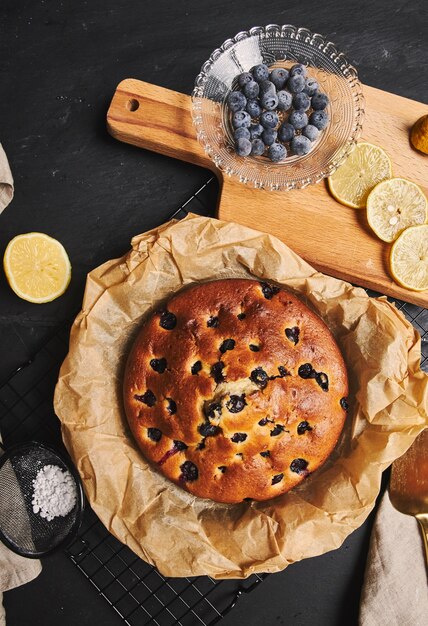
(395, 590)
(15, 570)
(6, 181)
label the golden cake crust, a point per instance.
(236, 390)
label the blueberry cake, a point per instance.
(235, 390)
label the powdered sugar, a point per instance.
(54, 492)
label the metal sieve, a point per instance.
(22, 530)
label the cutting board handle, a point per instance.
(157, 119)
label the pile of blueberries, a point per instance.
(274, 108)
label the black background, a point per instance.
(59, 65)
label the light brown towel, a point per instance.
(6, 181)
(395, 590)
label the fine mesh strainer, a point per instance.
(22, 530)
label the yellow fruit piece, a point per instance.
(365, 167)
(419, 134)
(37, 267)
(394, 205)
(408, 260)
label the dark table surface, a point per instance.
(60, 64)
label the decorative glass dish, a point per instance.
(278, 46)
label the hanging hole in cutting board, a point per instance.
(132, 105)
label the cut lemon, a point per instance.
(409, 258)
(394, 205)
(37, 267)
(365, 167)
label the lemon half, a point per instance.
(393, 206)
(409, 258)
(365, 167)
(37, 267)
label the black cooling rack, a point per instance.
(136, 590)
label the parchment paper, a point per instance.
(187, 536)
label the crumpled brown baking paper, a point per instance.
(187, 536)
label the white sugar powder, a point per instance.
(54, 492)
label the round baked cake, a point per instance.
(235, 390)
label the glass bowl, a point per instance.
(278, 46)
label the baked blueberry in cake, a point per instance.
(235, 390)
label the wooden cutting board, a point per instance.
(333, 238)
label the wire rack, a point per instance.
(136, 590)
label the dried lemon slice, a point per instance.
(394, 205)
(419, 134)
(37, 267)
(409, 258)
(365, 167)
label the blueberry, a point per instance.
(319, 119)
(311, 86)
(171, 407)
(254, 348)
(242, 133)
(277, 430)
(243, 147)
(277, 479)
(179, 446)
(244, 78)
(300, 145)
(298, 119)
(279, 77)
(264, 421)
(283, 371)
(241, 119)
(251, 90)
(306, 371)
(269, 119)
(253, 108)
(303, 427)
(299, 466)
(228, 344)
(217, 372)
(265, 453)
(266, 87)
(296, 83)
(208, 430)
(222, 468)
(168, 321)
(236, 101)
(258, 147)
(158, 365)
(148, 398)
(238, 437)
(213, 410)
(269, 101)
(322, 380)
(277, 152)
(241, 316)
(284, 100)
(311, 132)
(154, 434)
(286, 132)
(268, 290)
(213, 321)
(259, 377)
(292, 334)
(236, 403)
(269, 136)
(256, 130)
(298, 70)
(260, 72)
(344, 404)
(189, 471)
(301, 101)
(319, 101)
